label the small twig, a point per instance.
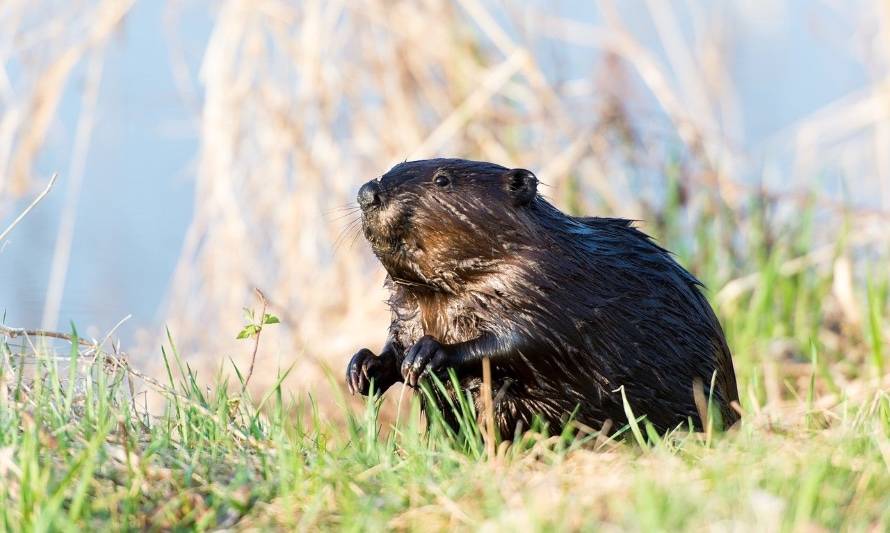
(52, 181)
(602, 439)
(489, 408)
(701, 403)
(256, 340)
(17, 332)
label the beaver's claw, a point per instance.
(426, 356)
(383, 369)
(364, 367)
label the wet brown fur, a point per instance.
(574, 307)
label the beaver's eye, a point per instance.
(441, 180)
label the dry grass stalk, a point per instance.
(488, 408)
(256, 342)
(24, 213)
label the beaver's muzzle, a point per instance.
(369, 196)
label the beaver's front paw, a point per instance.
(427, 356)
(364, 367)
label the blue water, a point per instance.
(137, 194)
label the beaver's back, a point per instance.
(607, 308)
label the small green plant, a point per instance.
(253, 329)
(256, 321)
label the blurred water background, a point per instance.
(207, 148)
(136, 197)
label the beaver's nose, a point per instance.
(369, 195)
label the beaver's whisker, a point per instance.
(341, 212)
(354, 224)
(344, 215)
(355, 235)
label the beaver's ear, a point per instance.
(521, 185)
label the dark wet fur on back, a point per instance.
(590, 304)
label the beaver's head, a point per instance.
(443, 221)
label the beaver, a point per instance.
(568, 309)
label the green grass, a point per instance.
(812, 450)
(71, 459)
